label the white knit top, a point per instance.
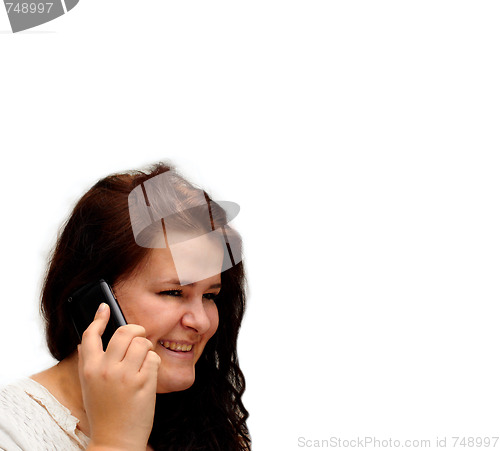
(31, 419)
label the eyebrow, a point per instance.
(177, 282)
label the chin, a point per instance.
(174, 382)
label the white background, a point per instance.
(361, 140)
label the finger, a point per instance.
(136, 353)
(91, 338)
(120, 341)
(151, 364)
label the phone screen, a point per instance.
(83, 305)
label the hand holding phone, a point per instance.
(119, 384)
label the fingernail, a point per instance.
(102, 307)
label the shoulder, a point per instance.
(14, 401)
(31, 419)
(16, 412)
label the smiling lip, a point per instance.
(177, 345)
(180, 349)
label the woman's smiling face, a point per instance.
(179, 320)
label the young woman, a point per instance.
(170, 378)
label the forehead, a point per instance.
(187, 261)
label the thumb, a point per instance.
(102, 308)
(91, 338)
(101, 318)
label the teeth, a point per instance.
(176, 346)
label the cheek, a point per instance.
(213, 314)
(145, 310)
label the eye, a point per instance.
(211, 296)
(177, 293)
(171, 293)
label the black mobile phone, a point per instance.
(83, 305)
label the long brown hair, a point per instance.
(97, 242)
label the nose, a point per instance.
(195, 316)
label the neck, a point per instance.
(70, 380)
(63, 382)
